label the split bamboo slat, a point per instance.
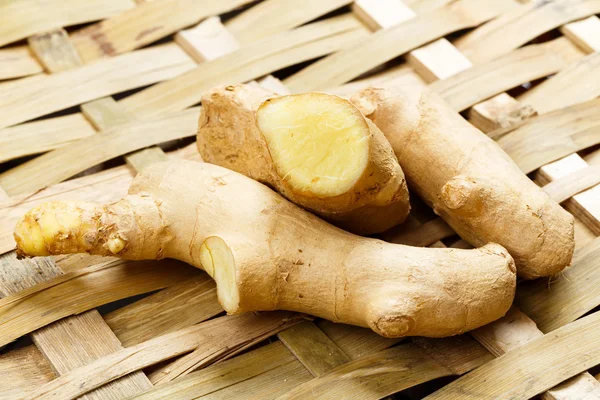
(85, 83)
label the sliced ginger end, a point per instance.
(319, 143)
(218, 262)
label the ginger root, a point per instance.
(315, 149)
(265, 253)
(469, 180)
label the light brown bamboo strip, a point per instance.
(544, 96)
(40, 136)
(384, 45)
(73, 341)
(104, 113)
(198, 359)
(16, 62)
(266, 18)
(207, 40)
(460, 354)
(23, 368)
(423, 6)
(83, 290)
(380, 374)
(54, 51)
(520, 26)
(355, 342)
(573, 183)
(26, 18)
(145, 24)
(422, 235)
(381, 14)
(483, 81)
(535, 367)
(76, 157)
(267, 385)
(209, 381)
(213, 336)
(177, 307)
(313, 348)
(553, 135)
(585, 33)
(250, 62)
(500, 113)
(568, 296)
(33, 98)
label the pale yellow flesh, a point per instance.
(218, 262)
(319, 142)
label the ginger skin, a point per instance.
(316, 149)
(266, 253)
(469, 180)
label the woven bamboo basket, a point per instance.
(93, 91)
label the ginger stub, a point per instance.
(469, 180)
(315, 149)
(266, 253)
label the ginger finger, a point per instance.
(469, 180)
(265, 253)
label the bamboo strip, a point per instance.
(535, 367)
(520, 26)
(145, 24)
(483, 81)
(585, 33)
(23, 368)
(32, 98)
(250, 62)
(213, 337)
(84, 290)
(544, 96)
(40, 136)
(62, 163)
(26, 18)
(266, 18)
(383, 373)
(421, 235)
(554, 135)
(207, 40)
(387, 44)
(355, 342)
(313, 348)
(209, 381)
(54, 51)
(16, 62)
(179, 306)
(574, 183)
(569, 296)
(268, 385)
